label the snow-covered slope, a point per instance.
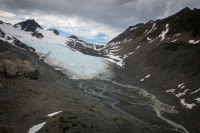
(54, 50)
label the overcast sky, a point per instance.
(96, 21)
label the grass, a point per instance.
(71, 121)
(173, 46)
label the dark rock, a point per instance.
(8, 38)
(73, 37)
(55, 31)
(22, 45)
(37, 34)
(2, 34)
(29, 25)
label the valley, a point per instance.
(145, 80)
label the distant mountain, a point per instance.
(29, 25)
(55, 31)
(82, 46)
(73, 42)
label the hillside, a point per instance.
(163, 57)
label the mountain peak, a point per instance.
(29, 25)
(184, 10)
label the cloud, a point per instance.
(89, 18)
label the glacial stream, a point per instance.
(116, 94)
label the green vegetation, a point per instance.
(172, 46)
(71, 121)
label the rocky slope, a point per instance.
(30, 90)
(163, 57)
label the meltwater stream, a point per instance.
(98, 89)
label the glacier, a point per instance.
(57, 54)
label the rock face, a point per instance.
(29, 25)
(2, 34)
(17, 67)
(22, 45)
(14, 66)
(37, 34)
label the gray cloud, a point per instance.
(117, 14)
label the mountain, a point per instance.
(163, 56)
(29, 25)
(180, 27)
(75, 43)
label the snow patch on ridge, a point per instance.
(162, 35)
(195, 91)
(133, 28)
(152, 29)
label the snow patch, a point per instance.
(137, 47)
(55, 113)
(197, 99)
(193, 41)
(174, 40)
(148, 76)
(162, 35)
(182, 94)
(187, 105)
(36, 128)
(171, 90)
(179, 85)
(195, 91)
(177, 34)
(153, 40)
(152, 28)
(141, 79)
(149, 39)
(133, 28)
(131, 53)
(58, 69)
(145, 31)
